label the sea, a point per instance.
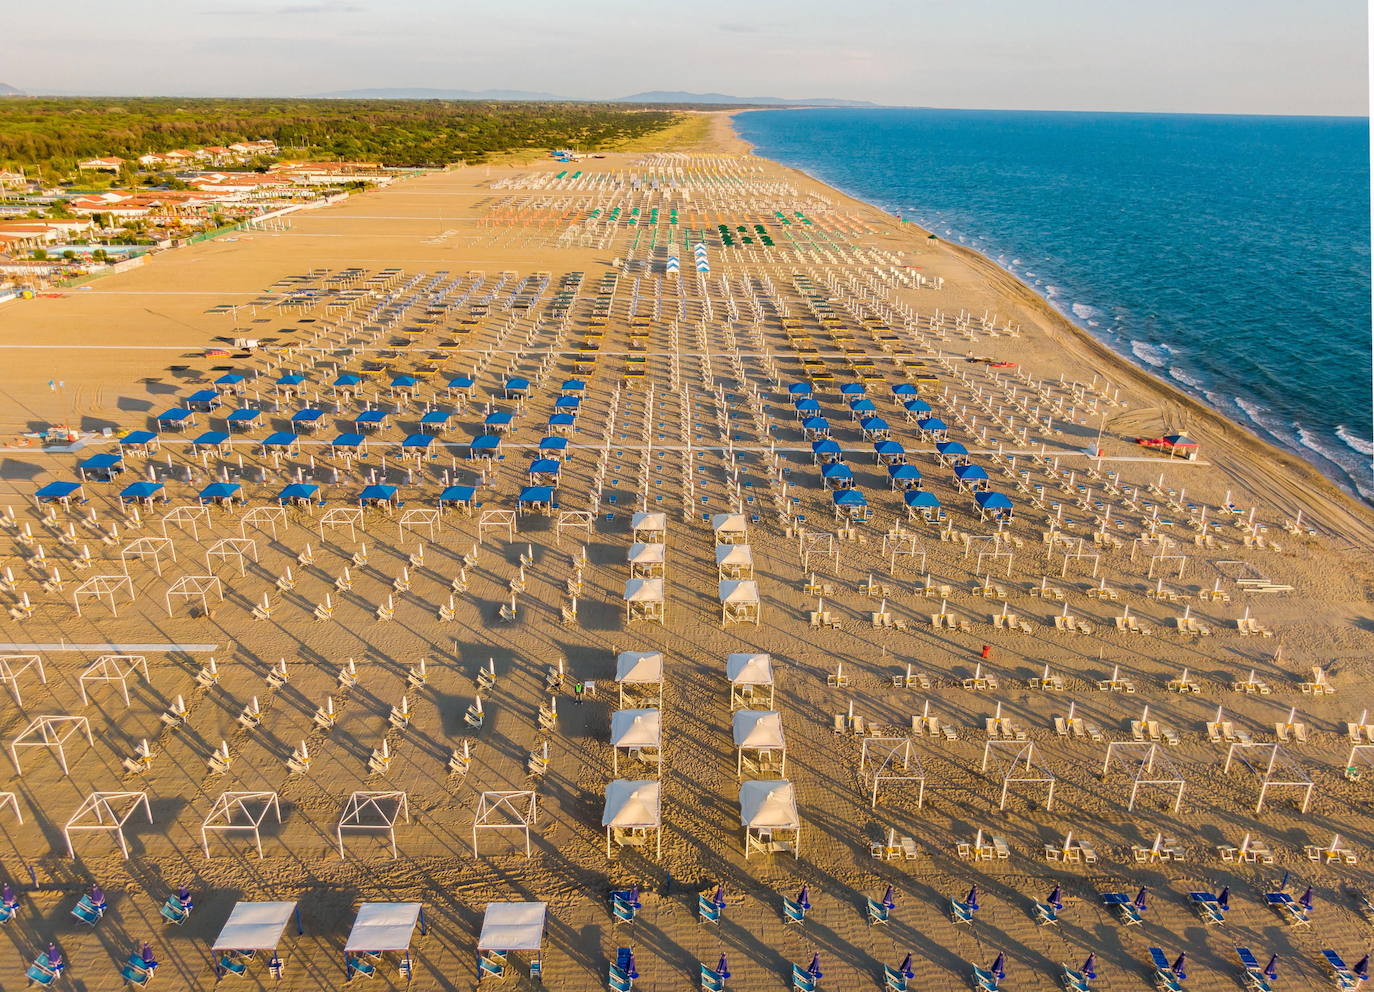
(1228, 255)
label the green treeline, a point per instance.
(53, 134)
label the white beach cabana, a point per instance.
(760, 747)
(749, 674)
(647, 561)
(252, 927)
(649, 527)
(734, 561)
(739, 601)
(639, 733)
(632, 810)
(637, 672)
(382, 928)
(730, 528)
(644, 600)
(768, 813)
(513, 926)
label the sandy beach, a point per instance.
(1242, 567)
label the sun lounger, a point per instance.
(1254, 975)
(230, 964)
(984, 980)
(1074, 981)
(88, 912)
(1044, 913)
(174, 912)
(622, 910)
(360, 967)
(708, 911)
(792, 911)
(877, 912)
(1208, 907)
(1121, 903)
(40, 974)
(1165, 979)
(1289, 908)
(802, 980)
(711, 980)
(135, 972)
(617, 980)
(1344, 978)
(893, 980)
(960, 912)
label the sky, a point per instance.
(1190, 56)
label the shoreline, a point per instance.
(1203, 422)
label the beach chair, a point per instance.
(708, 911)
(1121, 904)
(1343, 977)
(960, 912)
(40, 973)
(1289, 908)
(87, 911)
(893, 980)
(1208, 907)
(135, 972)
(792, 911)
(359, 967)
(711, 980)
(536, 970)
(877, 912)
(1254, 975)
(1074, 981)
(802, 980)
(8, 913)
(618, 975)
(173, 912)
(1044, 913)
(1165, 979)
(491, 967)
(231, 964)
(622, 910)
(984, 980)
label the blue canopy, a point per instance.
(888, 448)
(568, 402)
(903, 389)
(420, 441)
(816, 424)
(377, 493)
(457, 494)
(291, 379)
(903, 473)
(573, 385)
(562, 420)
(853, 389)
(950, 448)
(229, 379)
(862, 406)
(404, 381)
(103, 462)
(807, 406)
(500, 418)
(173, 416)
(874, 424)
(485, 442)
(140, 490)
(348, 379)
(55, 491)
(825, 446)
(436, 417)
(243, 415)
(203, 397)
(460, 382)
(970, 473)
(211, 439)
(799, 389)
(219, 490)
(836, 470)
(553, 444)
(849, 497)
(307, 416)
(992, 501)
(347, 441)
(297, 491)
(916, 406)
(922, 498)
(516, 382)
(371, 417)
(138, 437)
(280, 439)
(932, 424)
(545, 466)
(536, 494)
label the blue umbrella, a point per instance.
(720, 897)
(1178, 966)
(54, 957)
(1140, 899)
(1271, 970)
(905, 967)
(1056, 899)
(723, 968)
(999, 967)
(184, 898)
(888, 901)
(804, 897)
(814, 969)
(630, 971)
(1090, 967)
(634, 896)
(972, 899)
(1283, 882)
(1224, 898)
(8, 897)
(149, 960)
(1306, 901)
(1361, 968)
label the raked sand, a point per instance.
(125, 346)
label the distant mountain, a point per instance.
(421, 93)
(678, 96)
(7, 90)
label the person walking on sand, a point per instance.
(577, 692)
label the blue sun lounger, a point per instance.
(893, 980)
(1208, 907)
(1254, 975)
(1044, 913)
(792, 911)
(802, 980)
(877, 912)
(1165, 979)
(960, 912)
(1344, 978)
(708, 911)
(1124, 907)
(984, 980)
(1074, 981)
(1289, 908)
(711, 980)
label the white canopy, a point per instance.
(758, 728)
(649, 521)
(645, 554)
(254, 926)
(734, 555)
(749, 669)
(383, 926)
(644, 591)
(632, 805)
(639, 667)
(769, 805)
(729, 523)
(512, 926)
(636, 728)
(739, 592)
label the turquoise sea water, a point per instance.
(1229, 255)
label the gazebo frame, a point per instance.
(358, 807)
(503, 811)
(118, 806)
(224, 816)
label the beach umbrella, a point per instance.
(1090, 967)
(8, 897)
(97, 897)
(1140, 899)
(1361, 969)
(1271, 970)
(1224, 898)
(184, 897)
(723, 967)
(149, 960)
(814, 968)
(888, 901)
(630, 970)
(633, 896)
(1178, 966)
(54, 957)
(972, 899)
(1306, 901)
(999, 967)
(1283, 882)
(905, 967)
(719, 899)
(804, 897)
(1055, 898)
